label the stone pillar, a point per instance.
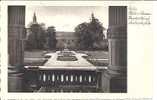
(16, 34)
(16, 30)
(116, 76)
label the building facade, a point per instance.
(66, 40)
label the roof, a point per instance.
(61, 34)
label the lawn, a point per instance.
(37, 58)
(34, 58)
(97, 58)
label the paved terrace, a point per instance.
(80, 63)
(76, 82)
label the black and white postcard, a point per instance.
(95, 50)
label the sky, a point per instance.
(66, 18)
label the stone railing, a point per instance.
(64, 79)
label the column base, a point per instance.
(114, 83)
(15, 80)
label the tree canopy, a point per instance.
(89, 34)
(36, 37)
(51, 37)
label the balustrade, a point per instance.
(54, 78)
(63, 78)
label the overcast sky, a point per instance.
(66, 18)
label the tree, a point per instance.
(89, 34)
(36, 38)
(96, 29)
(84, 37)
(51, 37)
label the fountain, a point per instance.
(66, 55)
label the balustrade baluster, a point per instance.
(93, 79)
(62, 78)
(71, 78)
(86, 79)
(50, 77)
(55, 81)
(44, 77)
(53, 77)
(59, 78)
(66, 78)
(80, 79)
(39, 77)
(89, 79)
(83, 77)
(75, 79)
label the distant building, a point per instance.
(35, 19)
(66, 40)
(28, 31)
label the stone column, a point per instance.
(116, 76)
(16, 29)
(16, 34)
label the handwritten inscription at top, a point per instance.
(136, 16)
